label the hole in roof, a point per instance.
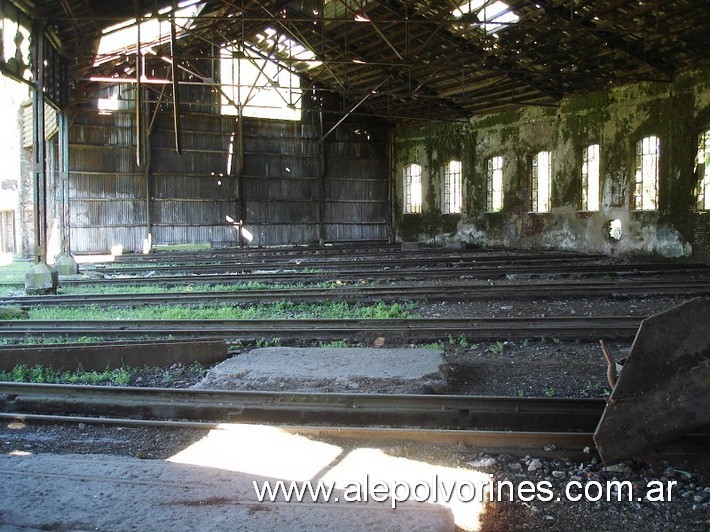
(492, 16)
(262, 75)
(122, 38)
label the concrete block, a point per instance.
(66, 265)
(410, 246)
(41, 279)
(358, 370)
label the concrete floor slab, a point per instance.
(209, 486)
(400, 370)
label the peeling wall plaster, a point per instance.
(616, 119)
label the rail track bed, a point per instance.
(478, 328)
(441, 292)
(509, 423)
(292, 276)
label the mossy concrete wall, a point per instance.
(616, 119)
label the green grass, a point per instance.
(12, 277)
(280, 310)
(335, 344)
(43, 375)
(43, 340)
(497, 348)
(13, 313)
(110, 377)
(184, 289)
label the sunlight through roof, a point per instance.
(493, 15)
(122, 38)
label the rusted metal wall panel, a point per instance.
(281, 212)
(349, 232)
(185, 212)
(219, 236)
(283, 234)
(263, 188)
(275, 165)
(192, 194)
(281, 182)
(221, 188)
(356, 185)
(107, 212)
(88, 185)
(102, 239)
(107, 204)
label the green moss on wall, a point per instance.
(616, 119)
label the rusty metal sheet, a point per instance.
(663, 390)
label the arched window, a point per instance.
(646, 177)
(412, 189)
(452, 188)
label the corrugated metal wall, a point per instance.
(107, 192)
(281, 181)
(193, 193)
(356, 187)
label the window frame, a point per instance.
(648, 151)
(412, 179)
(702, 172)
(493, 170)
(585, 204)
(452, 200)
(535, 179)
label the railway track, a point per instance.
(280, 255)
(505, 423)
(429, 274)
(402, 411)
(362, 264)
(497, 422)
(477, 329)
(458, 292)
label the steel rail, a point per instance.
(327, 254)
(478, 328)
(505, 424)
(377, 410)
(471, 272)
(459, 292)
(215, 266)
(563, 443)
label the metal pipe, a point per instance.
(176, 86)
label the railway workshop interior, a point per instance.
(448, 262)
